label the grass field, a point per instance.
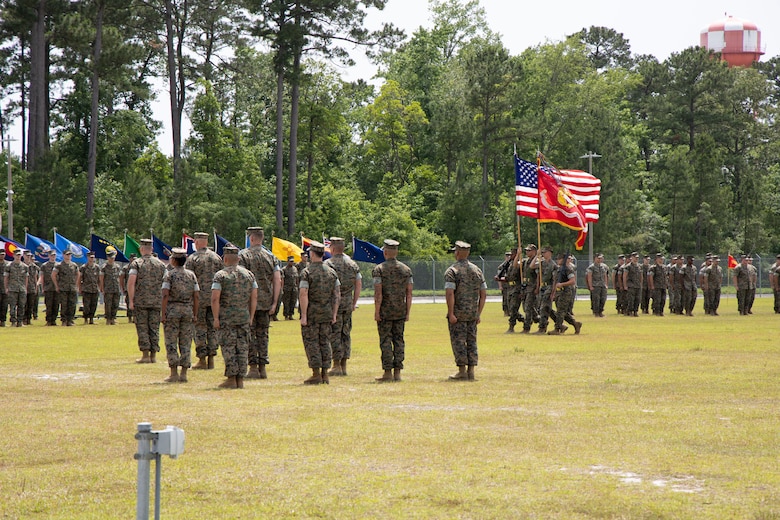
(643, 417)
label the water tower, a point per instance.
(737, 41)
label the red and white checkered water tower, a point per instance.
(737, 41)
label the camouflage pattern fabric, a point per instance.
(290, 277)
(391, 343)
(262, 264)
(68, 301)
(178, 333)
(111, 274)
(147, 327)
(236, 284)
(466, 280)
(17, 274)
(90, 278)
(66, 276)
(394, 277)
(149, 272)
(89, 301)
(348, 273)
(110, 305)
(234, 340)
(321, 282)
(316, 343)
(549, 270)
(463, 338)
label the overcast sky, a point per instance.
(656, 27)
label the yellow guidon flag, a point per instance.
(282, 249)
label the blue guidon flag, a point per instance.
(102, 247)
(78, 252)
(363, 251)
(40, 248)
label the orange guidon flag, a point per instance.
(732, 262)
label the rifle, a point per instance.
(563, 271)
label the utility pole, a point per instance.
(589, 156)
(10, 192)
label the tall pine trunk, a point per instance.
(93, 120)
(38, 129)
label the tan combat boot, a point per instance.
(396, 374)
(210, 362)
(461, 375)
(230, 382)
(201, 364)
(263, 375)
(183, 375)
(315, 378)
(144, 357)
(253, 373)
(152, 356)
(343, 366)
(470, 373)
(387, 376)
(336, 370)
(174, 377)
(577, 327)
(239, 382)
(324, 376)
(510, 330)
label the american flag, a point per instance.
(585, 187)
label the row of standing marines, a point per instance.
(636, 285)
(229, 302)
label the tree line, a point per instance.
(689, 148)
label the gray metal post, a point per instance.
(433, 277)
(144, 457)
(589, 156)
(157, 479)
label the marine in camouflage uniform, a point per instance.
(290, 276)
(204, 263)
(644, 302)
(393, 284)
(657, 280)
(180, 299)
(597, 278)
(632, 285)
(741, 275)
(267, 273)
(144, 288)
(3, 295)
(751, 295)
(500, 278)
(234, 302)
(351, 282)
(123, 278)
(676, 285)
(690, 290)
(89, 287)
(549, 270)
(50, 299)
(16, 274)
(514, 293)
(529, 289)
(774, 281)
(712, 281)
(617, 283)
(319, 295)
(109, 286)
(564, 292)
(466, 292)
(33, 277)
(702, 283)
(66, 280)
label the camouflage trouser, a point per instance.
(178, 334)
(147, 327)
(289, 299)
(52, 306)
(514, 298)
(316, 342)
(564, 303)
(712, 299)
(620, 300)
(546, 311)
(689, 299)
(258, 342)
(68, 303)
(598, 297)
(777, 300)
(644, 300)
(234, 340)
(17, 303)
(659, 301)
(391, 343)
(205, 335)
(110, 305)
(3, 306)
(632, 299)
(463, 337)
(130, 312)
(341, 338)
(89, 301)
(742, 296)
(675, 300)
(751, 297)
(530, 306)
(31, 306)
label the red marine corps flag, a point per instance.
(557, 204)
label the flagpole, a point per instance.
(538, 250)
